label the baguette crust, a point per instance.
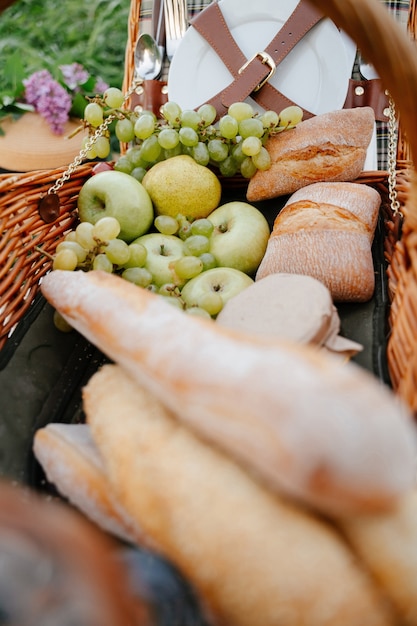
(327, 147)
(72, 463)
(387, 545)
(253, 558)
(303, 422)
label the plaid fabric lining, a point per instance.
(398, 9)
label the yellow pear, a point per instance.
(180, 185)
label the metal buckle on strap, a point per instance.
(266, 59)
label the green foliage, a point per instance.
(43, 34)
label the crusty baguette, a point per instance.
(326, 230)
(72, 463)
(292, 306)
(387, 545)
(252, 557)
(304, 422)
(327, 147)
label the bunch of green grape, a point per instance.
(97, 247)
(235, 144)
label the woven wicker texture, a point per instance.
(24, 235)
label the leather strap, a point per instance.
(248, 75)
(362, 93)
(152, 94)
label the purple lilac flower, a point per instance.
(49, 98)
(74, 75)
(101, 86)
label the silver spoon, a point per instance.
(147, 58)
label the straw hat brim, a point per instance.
(29, 144)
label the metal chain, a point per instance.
(89, 144)
(392, 158)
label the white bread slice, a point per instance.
(327, 147)
(72, 463)
(305, 423)
(295, 307)
(252, 557)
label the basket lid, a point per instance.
(29, 144)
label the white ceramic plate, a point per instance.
(315, 74)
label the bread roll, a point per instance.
(305, 423)
(252, 557)
(292, 306)
(327, 147)
(326, 231)
(73, 464)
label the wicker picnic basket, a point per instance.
(25, 235)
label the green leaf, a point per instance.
(78, 105)
(15, 73)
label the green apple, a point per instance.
(240, 236)
(224, 281)
(121, 196)
(162, 252)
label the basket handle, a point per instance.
(382, 41)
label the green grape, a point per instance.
(171, 111)
(168, 138)
(93, 114)
(184, 230)
(200, 154)
(60, 323)
(237, 153)
(138, 275)
(113, 97)
(138, 173)
(212, 302)
(208, 260)
(228, 127)
(190, 119)
(123, 164)
(135, 157)
(137, 255)
(169, 289)
(241, 111)
(228, 167)
(152, 288)
(251, 127)
(251, 146)
(195, 245)
(188, 150)
(103, 263)
(144, 126)
(151, 149)
(188, 136)
(217, 149)
(167, 154)
(70, 236)
(124, 130)
(269, 119)
(75, 247)
(247, 168)
(84, 235)
(202, 226)
(117, 251)
(106, 228)
(207, 113)
(102, 147)
(166, 224)
(65, 259)
(188, 266)
(91, 153)
(290, 116)
(196, 310)
(262, 160)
